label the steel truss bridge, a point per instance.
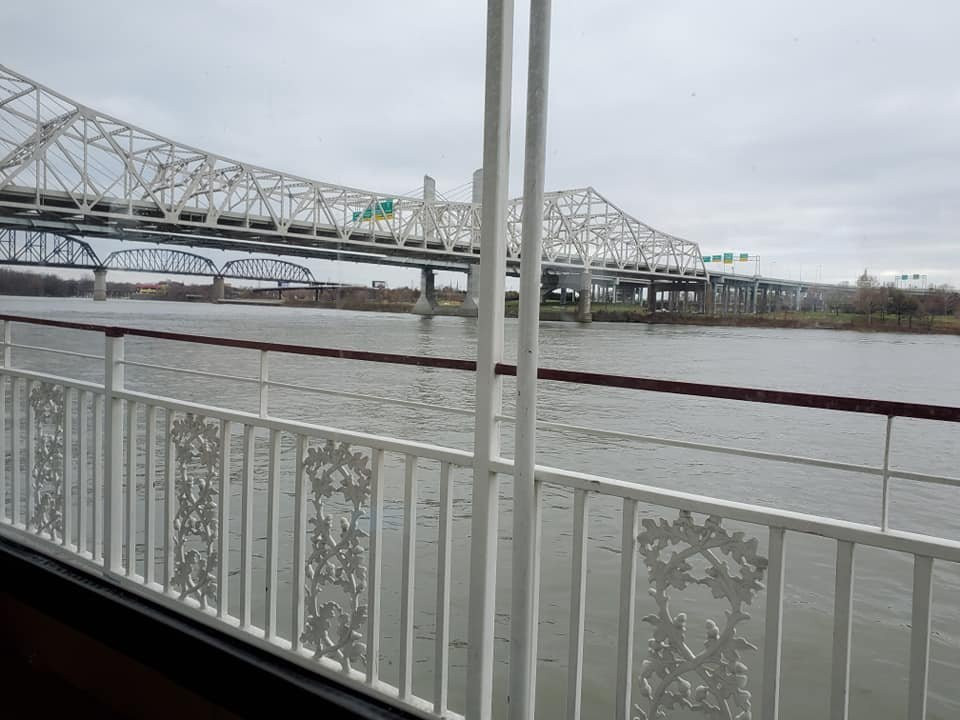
(69, 169)
(43, 249)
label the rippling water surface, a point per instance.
(915, 368)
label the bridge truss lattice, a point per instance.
(66, 167)
(43, 249)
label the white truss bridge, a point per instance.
(69, 169)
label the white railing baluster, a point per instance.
(98, 513)
(5, 340)
(578, 592)
(169, 497)
(149, 501)
(3, 441)
(67, 509)
(920, 637)
(628, 595)
(16, 446)
(113, 456)
(299, 559)
(842, 617)
(273, 535)
(83, 478)
(442, 651)
(885, 490)
(773, 626)
(223, 530)
(131, 427)
(246, 527)
(376, 565)
(31, 453)
(407, 577)
(264, 383)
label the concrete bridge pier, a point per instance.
(470, 306)
(427, 302)
(652, 298)
(798, 302)
(584, 314)
(100, 284)
(217, 289)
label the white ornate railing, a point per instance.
(275, 531)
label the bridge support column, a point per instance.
(427, 302)
(651, 298)
(798, 300)
(584, 313)
(100, 284)
(470, 306)
(217, 289)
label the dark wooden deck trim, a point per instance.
(60, 621)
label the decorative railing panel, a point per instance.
(336, 552)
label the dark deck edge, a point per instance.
(241, 678)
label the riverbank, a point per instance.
(939, 324)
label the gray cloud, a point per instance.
(811, 133)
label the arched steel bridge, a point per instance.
(67, 168)
(43, 249)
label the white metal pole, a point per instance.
(489, 387)
(113, 456)
(526, 511)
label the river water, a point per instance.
(917, 368)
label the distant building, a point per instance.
(151, 289)
(379, 285)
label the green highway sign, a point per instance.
(728, 258)
(717, 258)
(744, 257)
(384, 212)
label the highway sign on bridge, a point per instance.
(384, 212)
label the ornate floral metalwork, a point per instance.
(47, 483)
(673, 676)
(196, 525)
(336, 559)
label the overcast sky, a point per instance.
(811, 133)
